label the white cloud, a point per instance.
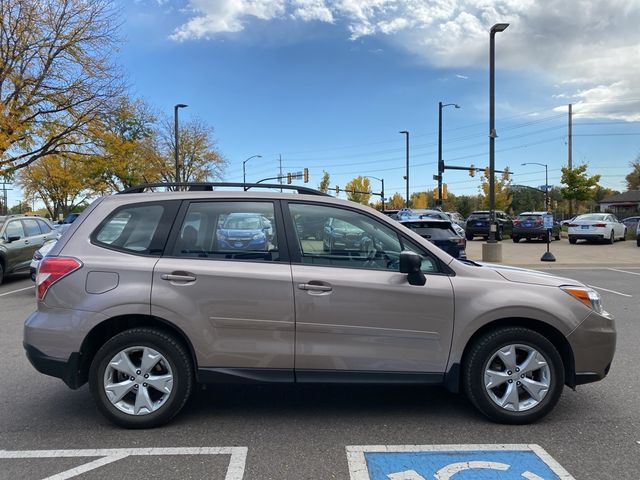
(463, 77)
(589, 48)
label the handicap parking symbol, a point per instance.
(453, 462)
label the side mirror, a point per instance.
(410, 263)
(13, 238)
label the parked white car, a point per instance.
(596, 226)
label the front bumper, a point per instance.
(593, 343)
(67, 370)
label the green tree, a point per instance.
(502, 190)
(633, 179)
(324, 182)
(526, 199)
(359, 190)
(57, 74)
(579, 186)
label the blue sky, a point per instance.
(327, 84)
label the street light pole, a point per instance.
(381, 180)
(177, 139)
(546, 183)
(244, 172)
(498, 27)
(440, 161)
(406, 133)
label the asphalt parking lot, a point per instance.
(260, 432)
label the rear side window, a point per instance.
(139, 228)
(31, 228)
(44, 226)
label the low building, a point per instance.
(622, 203)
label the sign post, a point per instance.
(547, 218)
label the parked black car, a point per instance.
(530, 225)
(440, 233)
(478, 225)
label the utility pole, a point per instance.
(406, 133)
(280, 179)
(440, 161)
(569, 159)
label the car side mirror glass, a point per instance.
(13, 238)
(410, 263)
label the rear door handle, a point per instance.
(184, 277)
(315, 287)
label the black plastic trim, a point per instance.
(590, 377)
(367, 377)
(208, 186)
(67, 370)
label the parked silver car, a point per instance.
(127, 303)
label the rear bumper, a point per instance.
(587, 236)
(529, 233)
(67, 370)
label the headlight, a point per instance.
(587, 296)
(258, 236)
(37, 255)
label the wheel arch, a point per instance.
(107, 329)
(453, 377)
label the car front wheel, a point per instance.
(141, 378)
(513, 375)
(572, 240)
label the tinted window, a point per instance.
(31, 228)
(44, 226)
(432, 231)
(131, 228)
(14, 229)
(479, 216)
(228, 230)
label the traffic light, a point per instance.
(289, 178)
(472, 170)
(486, 172)
(436, 196)
(337, 189)
(306, 175)
(444, 191)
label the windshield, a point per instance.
(242, 223)
(479, 216)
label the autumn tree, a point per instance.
(359, 190)
(323, 186)
(633, 179)
(502, 190)
(419, 200)
(126, 151)
(579, 186)
(56, 75)
(396, 202)
(62, 181)
(199, 158)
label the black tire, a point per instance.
(1, 273)
(499, 234)
(638, 241)
(475, 364)
(557, 237)
(612, 238)
(624, 235)
(178, 359)
(572, 240)
(468, 236)
(515, 239)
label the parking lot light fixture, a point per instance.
(244, 172)
(546, 182)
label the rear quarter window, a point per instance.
(141, 228)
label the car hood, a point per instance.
(532, 277)
(233, 232)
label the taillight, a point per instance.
(539, 222)
(516, 222)
(51, 270)
(599, 225)
(573, 224)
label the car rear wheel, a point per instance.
(624, 235)
(499, 234)
(515, 239)
(557, 237)
(141, 378)
(572, 240)
(612, 237)
(1, 273)
(513, 375)
(468, 236)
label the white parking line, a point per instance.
(611, 291)
(235, 470)
(16, 291)
(623, 271)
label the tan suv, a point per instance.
(149, 293)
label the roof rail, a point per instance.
(208, 186)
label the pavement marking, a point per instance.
(611, 291)
(16, 291)
(623, 271)
(235, 470)
(444, 462)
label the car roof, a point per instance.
(535, 213)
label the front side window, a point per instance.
(344, 238)
(14, 229)
(131, 229)
(228, 230)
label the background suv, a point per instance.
(478, 224)
(20, 237)
(530, 225)
(126, 307)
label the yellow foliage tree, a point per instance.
(396, 202)
(359, 190)
(502, 190)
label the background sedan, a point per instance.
(596, 226)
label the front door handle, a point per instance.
(314, 287)
(178, 277)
